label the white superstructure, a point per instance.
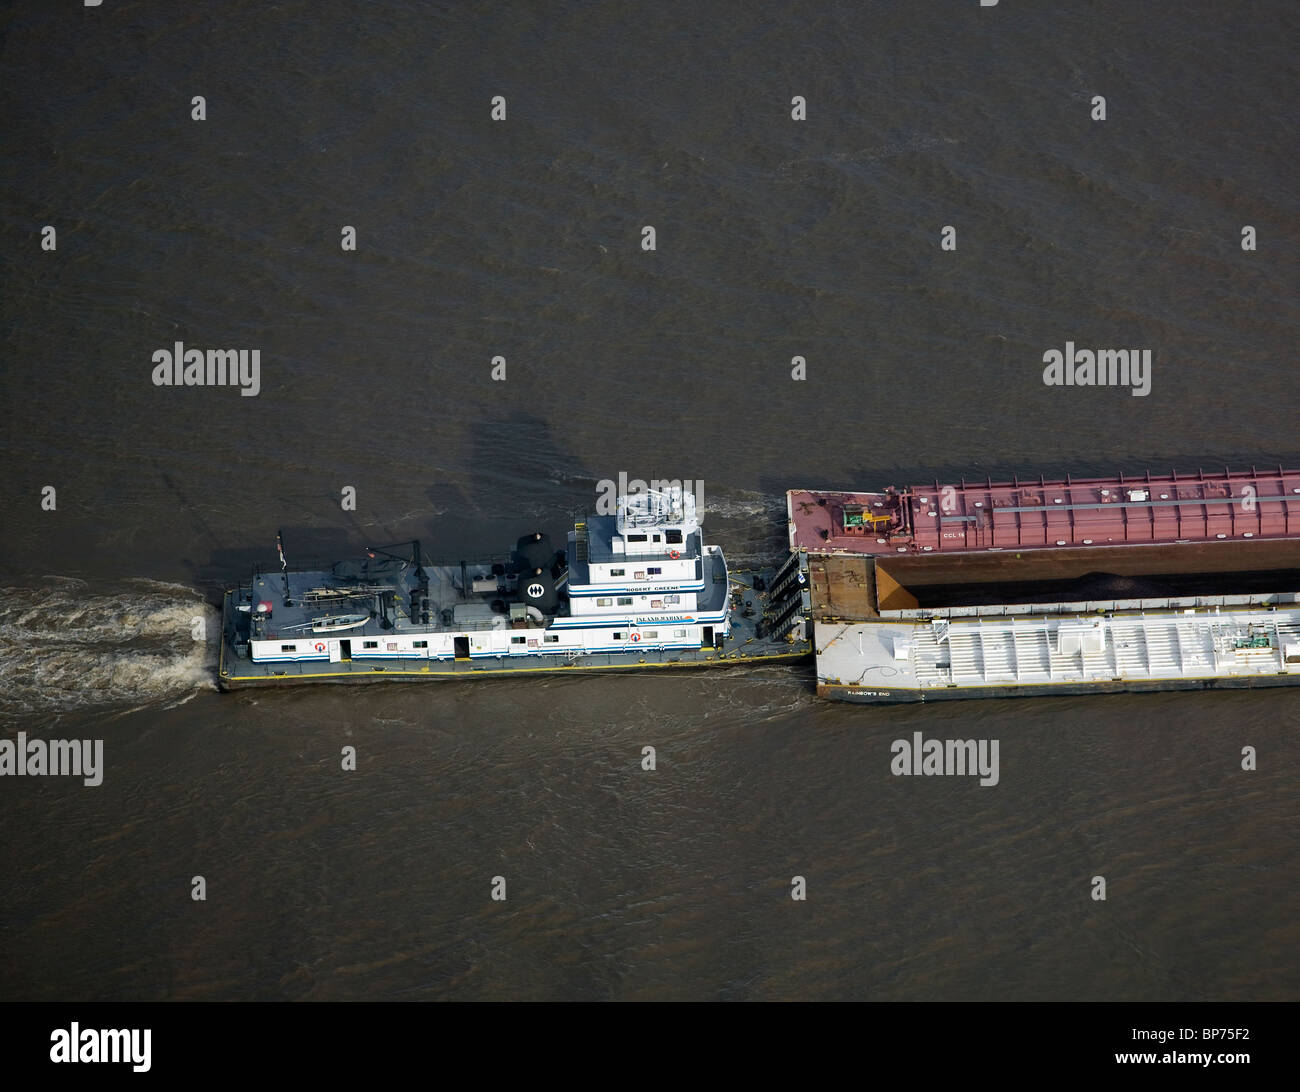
(638, 581)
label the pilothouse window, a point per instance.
(674, 536)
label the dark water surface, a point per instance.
(775, 238)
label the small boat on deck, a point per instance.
(335, 622)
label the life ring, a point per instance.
(636, 637)
(674, 554)
(319, 646)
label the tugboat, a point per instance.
(635, 590)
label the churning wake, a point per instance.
(64, 647)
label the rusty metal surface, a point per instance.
(843, 587)
(966, 516)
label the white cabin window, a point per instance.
(551, 638)
(636, 538)
(518, 640)
(652, 635)
(618, 636)
(370, 644)
(604, 602)
(419, 644)
(624, 600)
(654, 570)
(288, 648)
(670, 599)
(679, 633)
(639, 574)
(674, 536)
(659, 538)
(617, 572)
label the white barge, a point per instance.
(1224, 642)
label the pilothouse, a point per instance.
(645, 576)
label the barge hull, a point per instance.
(1082, 513)
(1221, 647)
(876, 695)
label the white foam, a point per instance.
(62, 647)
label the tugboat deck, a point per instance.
(748, 642)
